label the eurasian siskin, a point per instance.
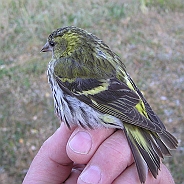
(91, 89)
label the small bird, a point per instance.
(92, 89)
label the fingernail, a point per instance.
(81, 142)
(92, 175)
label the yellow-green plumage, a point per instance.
(91, 88)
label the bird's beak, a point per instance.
(46, 48)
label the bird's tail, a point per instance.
(147, 148)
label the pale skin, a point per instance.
(100, 156)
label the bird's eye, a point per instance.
(51, 44)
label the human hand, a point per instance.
(100, 156)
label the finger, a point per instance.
(164, 176)
(130, 176)
(76, 171)
(112, 157)
(51, 164)
(84, 143)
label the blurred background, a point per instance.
(147, 34)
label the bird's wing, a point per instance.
(112, 97)
(151, 115)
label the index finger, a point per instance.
(51, 164)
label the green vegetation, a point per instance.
(176, 5)
(149, 42)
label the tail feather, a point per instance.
(152, 160)
(139, 161)
(170, 141)
(163, 147)
(157, 149)
(147, 148)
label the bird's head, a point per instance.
(64, 41)
(78, 51)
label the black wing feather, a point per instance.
(117, 100)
